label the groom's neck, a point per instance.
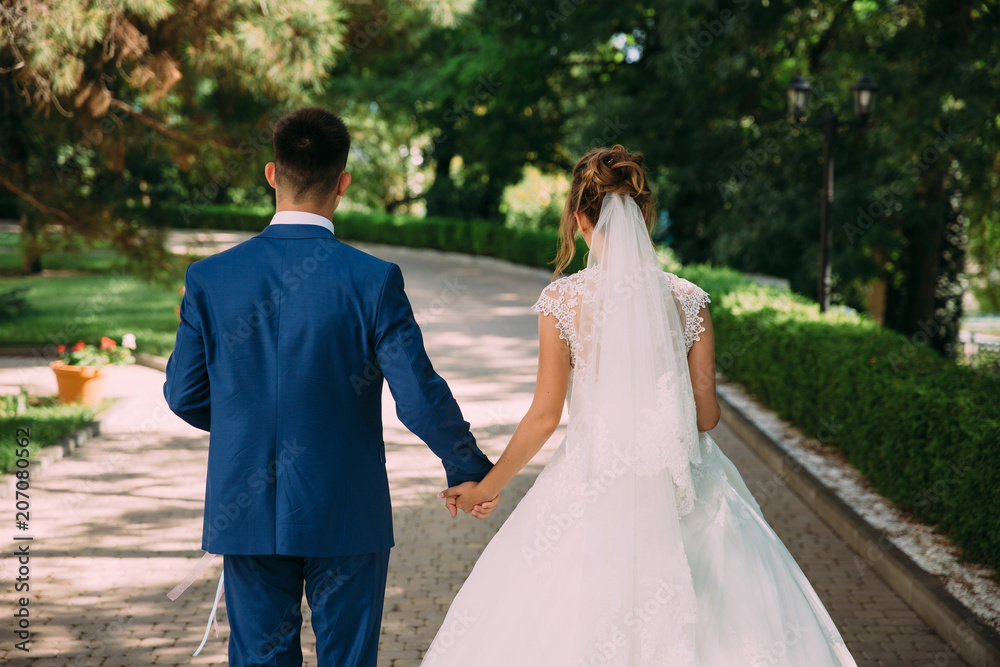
(326, 213)
(325, 210)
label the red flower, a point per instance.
(61, 349)
(107, 343)
(79, 346)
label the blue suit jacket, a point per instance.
(282, 347)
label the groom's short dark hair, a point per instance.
(310, 152)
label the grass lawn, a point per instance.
(46, 421)
(10, 262)
(100, 257)
(64, 309)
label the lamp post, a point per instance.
(797, 91)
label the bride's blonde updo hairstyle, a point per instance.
(600, 171)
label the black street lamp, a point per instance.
(798, 90)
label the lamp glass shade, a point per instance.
(797, 92)
(864, 96)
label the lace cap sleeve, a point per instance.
(548, 301)
(557, 300)
(690, 299)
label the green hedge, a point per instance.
(46, 420)
(474, 237)
(924, 431)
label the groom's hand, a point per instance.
(451, 495)
(452, 505)
(479, 511)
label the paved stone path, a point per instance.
(118, 523)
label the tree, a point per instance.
(110, 107)
(375, 86)
(485, 90)
(704, 97)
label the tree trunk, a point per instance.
(31, 244)
(928, 305)
(950, 288)
(440, 196)
(922, 275)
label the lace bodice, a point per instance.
(566, 297)
(639, 544)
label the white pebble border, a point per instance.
(975, 586)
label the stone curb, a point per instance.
(151, 361)
(69, 442)
(27, 350)
(977, 643)
(60, 448)
(47, 455)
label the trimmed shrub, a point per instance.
(923, 430)
(13, 302)
(476, 237)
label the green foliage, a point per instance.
(116, 303)
(918, 427)
(702, 95)
(484, 93)
(987, 361)
(100, 262)
(14, 404)
(68, 308)
(537, 201)
(110, 104)
(699, 87)
(532, 247)
(89, 354)
(13, 302)
(46, 420)
(222, 217)
(522, 246)
(388, 171)
(9, 209)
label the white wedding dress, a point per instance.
(639, 544)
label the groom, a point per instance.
(281, 350)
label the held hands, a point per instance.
(470, 498)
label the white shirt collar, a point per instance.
(301, 218)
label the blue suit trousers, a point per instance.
(264, 598)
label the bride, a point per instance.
(639, 543)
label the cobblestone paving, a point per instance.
(118, 523)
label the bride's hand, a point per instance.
(485, 509)
(470, 497)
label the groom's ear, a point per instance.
(269, 174)
(342, 183)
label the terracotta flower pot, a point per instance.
(80, 384)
